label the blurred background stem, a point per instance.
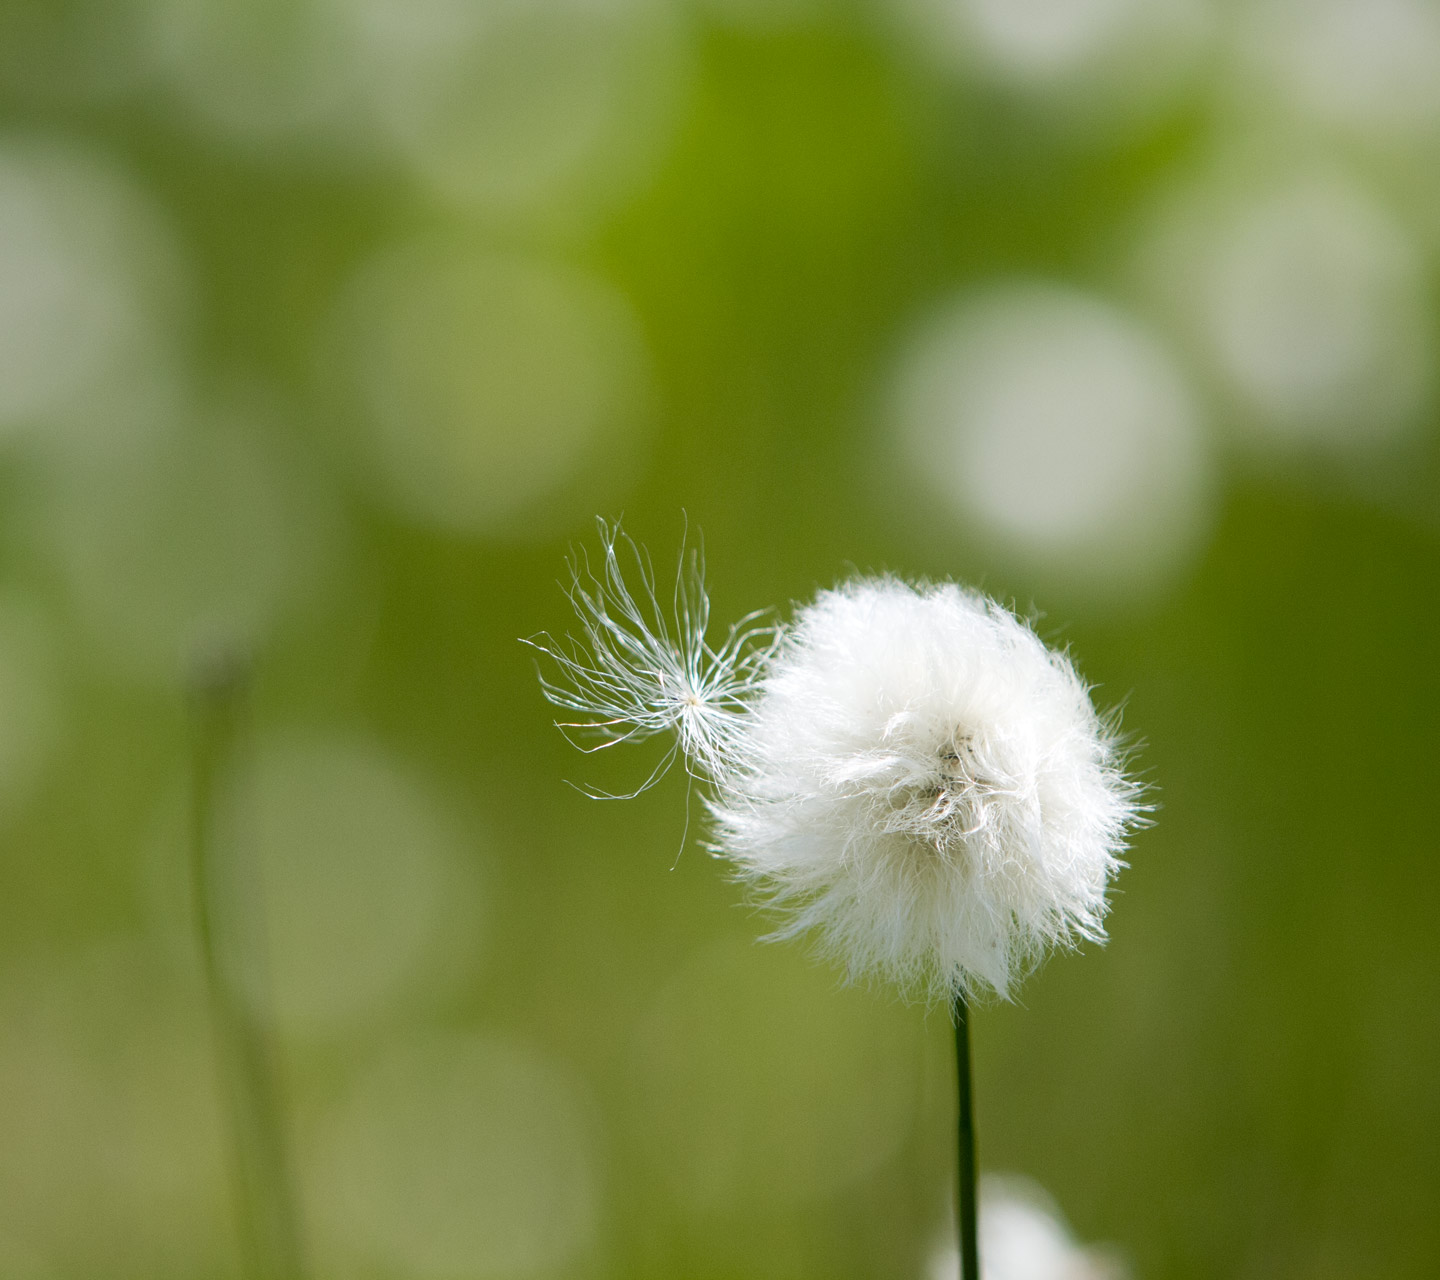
(966, 1217)
(260, 1171)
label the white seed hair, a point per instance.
(638, 670)
(903, 772)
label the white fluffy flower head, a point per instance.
(904, 772)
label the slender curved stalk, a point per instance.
(260, 1173)
(966, 1217)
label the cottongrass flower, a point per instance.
(903, 771)
(925, 786)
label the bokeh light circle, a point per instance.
(89, 280)
(487, 387)
(356, 876)
(1370, 68)
(1304, 296)
(522, 104)
(514, 106)
(206, 533)
(1086, 59)
(460, 1157)
(266, 73)
(1059, 430)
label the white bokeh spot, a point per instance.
(1305, 297)
(522, 104)
(359, 876)
(1085, 57)
(1370, 67)
(1059, 429)
(89, 278)
(206, 532)
(459, 1157)
(488, 386)
(513, 106)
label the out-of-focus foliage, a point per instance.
(327, 325)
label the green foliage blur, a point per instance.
(327, 327)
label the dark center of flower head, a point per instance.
(956, 758)
(960, 776)
(950, 805)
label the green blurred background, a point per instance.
(327, 326)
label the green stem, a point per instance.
(966, 1216)
(260, 1172)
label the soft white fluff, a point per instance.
(908, 774)
(926, 786)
